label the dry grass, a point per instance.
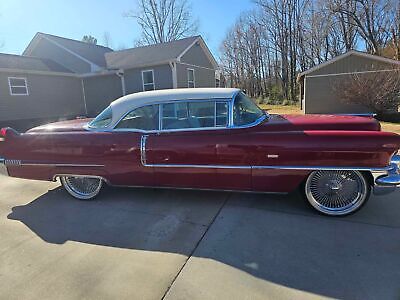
(280, 109)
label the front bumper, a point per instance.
(3, 167)
(392, 176)
(388, 181)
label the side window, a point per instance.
(221, 111)
(142, 118)
(148, 80)
(190, 78)
(18, 86)
(245, 111)
(194, 114)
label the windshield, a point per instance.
(245, 111)
(103, 119)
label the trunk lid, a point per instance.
(63, 126)
(322, 122)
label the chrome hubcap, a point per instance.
(336, 192)
(82, 187)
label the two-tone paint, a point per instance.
(274, 155)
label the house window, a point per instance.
(148, 80)
(217, 82)
(190, 77)
(18, 86)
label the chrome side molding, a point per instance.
(3, 167)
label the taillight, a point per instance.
(3, 132)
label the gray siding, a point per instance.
(162, 78)
(50, 96)
(322, 99)
(100, 91)
(196, 56)
(46, 49)
(351, 63)
(203, 77)
(320, 96)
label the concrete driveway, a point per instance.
(154, 244)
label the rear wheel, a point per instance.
(82, 188)
(337, 193)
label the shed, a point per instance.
(317, 84)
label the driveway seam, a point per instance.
(196, 246)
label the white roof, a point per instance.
(127, 103)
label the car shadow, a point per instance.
(278, 240)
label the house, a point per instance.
(317, 91)
(59, 78)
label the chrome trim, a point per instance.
(301, 168)
(3, 167)
(392, 176)
(19, 163)
(396, 160)
(196, 166)
(143, 150)
(324, 168)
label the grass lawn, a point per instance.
(280, 109)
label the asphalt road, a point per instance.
(154, 244)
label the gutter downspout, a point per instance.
(174, 74)
(120, 74)
(84, 97)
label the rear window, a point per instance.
(103, 119)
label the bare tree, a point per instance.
(107, 41)
(379, 91)
(164, 20)
(372, 18)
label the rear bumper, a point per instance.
(3, 167)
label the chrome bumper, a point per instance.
(3, 167)
(392, 177)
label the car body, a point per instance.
(214, 139)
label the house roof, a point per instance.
(129, 102)
(351, 52)
(90, 52)
(11, 61)
(154, 54)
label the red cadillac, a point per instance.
(209, 139)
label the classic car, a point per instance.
(214, 139)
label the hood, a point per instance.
(323, 122)
(63, 126)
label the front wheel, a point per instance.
(82, 188)
(337, 193)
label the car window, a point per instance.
(245, 111)
(221, 111)
(142, 118)
(103, 119)
(194, 114)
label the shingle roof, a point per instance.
(148, 55)
(91, 52)
(348, 53)
(10, 61)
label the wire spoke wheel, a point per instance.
(336, 192)
(83, 188)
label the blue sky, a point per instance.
(21, 19)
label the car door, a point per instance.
(183, 153)
(125, 155)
